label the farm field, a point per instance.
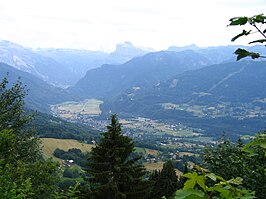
(154, 165)
(70, 110)
(151, 166)
(50, 144)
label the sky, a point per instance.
(101, 24)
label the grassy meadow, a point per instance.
(72, 109)
(50, 144)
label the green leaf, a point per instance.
(251, 151)
(189, 194)
(220, 178)
(259, 18)
(189, 184)
(258, 41)
(236, 181)
(191, 175)
(212, 176)
(255, 142)
(247, 197)
(244, 33)
(224, 192)
(242, 53)
(238, 21)
(201, 182)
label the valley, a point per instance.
(74, 110)
(239, 111)
(172, 103)
(147, 133)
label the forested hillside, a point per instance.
(220, 97)
(138, 73)
(41, 94)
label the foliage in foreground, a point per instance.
(257, 22)
(242, 168)
(23, 171)
(231, 160)
(204, 184)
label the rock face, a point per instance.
(124, 52)
(26, 60)
(18, 57)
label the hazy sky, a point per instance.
(101, 24)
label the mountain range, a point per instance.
(150, 69)
(145, 71)
(203, 87)
(78, 62)
(62, 67)
(234, 82)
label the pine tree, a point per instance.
(114, 172)
(154, 180)
(167, 182)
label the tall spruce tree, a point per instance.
(166, 183)
(113, 172)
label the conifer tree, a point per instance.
(114, 173)
(167, 182)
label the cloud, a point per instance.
(96, 24)
(241, 3)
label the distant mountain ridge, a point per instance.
(26, 60)
(41, 94)
(145, 71)
(80, 61)
(150, 69)
(63, 67)
(229, 82)
(218, 54)
(124, 52)
(183, 48)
